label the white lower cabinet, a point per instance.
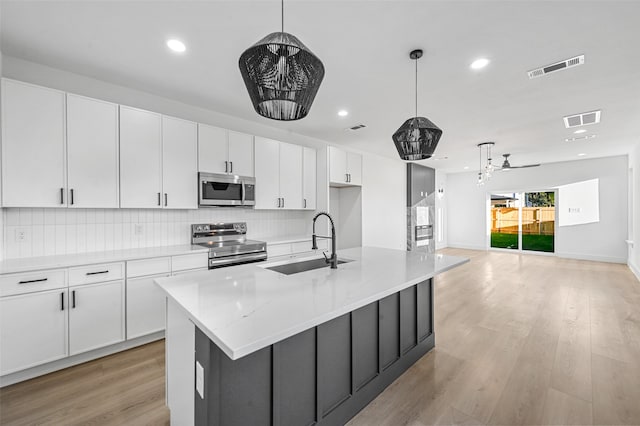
(33, 329)
(96, 316)
(145, 306)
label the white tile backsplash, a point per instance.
(70, 231)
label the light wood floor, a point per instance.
(520, 339)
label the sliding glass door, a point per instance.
(523, 221)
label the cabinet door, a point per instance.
(145, 306)
(241, 154)
(291, 175)
(140, 158)
(92, 153)
(354, 168)
(267, 153)
(179, 163)
(33, 146)
(213, 153)
(96, 316)
(309, 178)
(337, 165)
(33, 330)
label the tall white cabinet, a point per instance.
(278, 175)
(224, 151)
(92, 153)
(309, 178)
(345, 168)
(33, 146)
(158, 161)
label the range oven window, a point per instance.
(221, 191)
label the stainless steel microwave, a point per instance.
(216, 189)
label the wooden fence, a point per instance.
(535, 220)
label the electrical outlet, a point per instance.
(21, 234)
(138, 229)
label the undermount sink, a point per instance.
(307, 265)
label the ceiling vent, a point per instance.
(582, 119)
(356, 127)
(558, 66)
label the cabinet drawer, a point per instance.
(278, 249)
(96, 273)
(29, 282)
(156, 265)
(189, 261)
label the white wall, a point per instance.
(384, 198)
(262, 224)
(604, 240)
(634, 222)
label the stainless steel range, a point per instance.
(227, 243)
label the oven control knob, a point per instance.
(206, 227)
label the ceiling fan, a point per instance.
(507, 166)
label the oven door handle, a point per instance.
(230, 259)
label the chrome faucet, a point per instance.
(333, 260)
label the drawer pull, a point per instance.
(33, 281)
(97, 273)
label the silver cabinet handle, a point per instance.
(71, 196)
(226, 167)
(230, 166)
(283, 202)
(305, 202)
(165, 199)
(159, 201)
(61, 195)
(62, 301)
(73, 299)
(278, 202)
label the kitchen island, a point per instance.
(310, 347)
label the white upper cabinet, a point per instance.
(241, 154)
(267, 151)
(290, 176)
(223, 151)
(33, 146)
(179, 163)
(213, 149)
(92, 153)
(345, 168)
(278, 175)
(140, 158)
(309, 178)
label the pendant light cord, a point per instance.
(416, 60)
(282, 15)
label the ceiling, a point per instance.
(364, 46)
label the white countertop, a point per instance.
(287, 239)
(245, 308)
(64, 261)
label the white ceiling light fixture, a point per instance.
(466, 167)
(582, 154)
(343, 113)
(176, 45)
(479, 63)
(577, 132)
(486, 171)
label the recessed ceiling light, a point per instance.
(582, 154)
(577, 132)
(479, 63)
(176, 45)
(343, 113)
(466, 167)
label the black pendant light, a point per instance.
(282, 75)
(418, 137)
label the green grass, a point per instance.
(529, 242)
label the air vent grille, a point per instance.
(558, 66)
(356, 127)
(582, 119)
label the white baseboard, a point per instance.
(466, 246)
(580, 256)
(635, 269)
(40, 370)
